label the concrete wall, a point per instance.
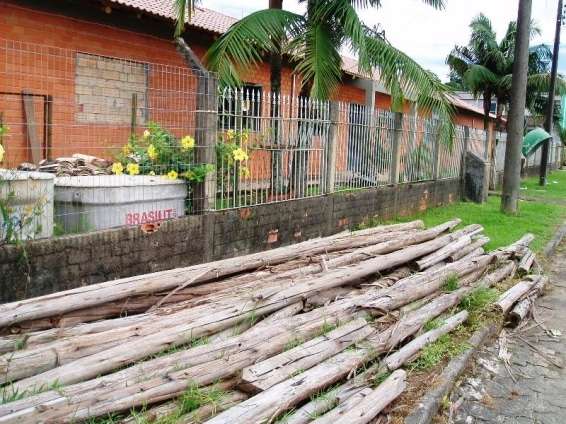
(72, 261)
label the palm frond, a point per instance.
(183, 12)
(404, 77)
(319, 61)
(248, 40)
(477, 77)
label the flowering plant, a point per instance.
(158, 152)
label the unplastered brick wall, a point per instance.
(104, 88)
(72, 261)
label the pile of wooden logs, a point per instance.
(75, 165)
(314, 332)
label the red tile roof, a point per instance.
(206, 19)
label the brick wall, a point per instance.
(71, 261)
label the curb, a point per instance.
(551, 246)
(428, 406)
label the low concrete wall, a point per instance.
(72, 261)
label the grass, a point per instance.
(450, 284)
(445, 347)
(554, 189)
(534, 217)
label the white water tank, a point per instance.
(29, 196)
(87, 203)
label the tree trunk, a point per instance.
(263, 375)
(523, 307)
(512, 171)
(275, 67)
(367, 409)
(526, 263)
(518, 291)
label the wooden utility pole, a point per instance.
(512, 171)
(551, 91)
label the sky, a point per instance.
(426, 34)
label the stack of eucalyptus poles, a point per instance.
(250, 339)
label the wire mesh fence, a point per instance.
(119, 137)
(94, 142)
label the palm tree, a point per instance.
(312, 42)
(485, 67)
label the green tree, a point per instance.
(485, 67)
(312, 42)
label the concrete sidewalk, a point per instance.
(531, 387)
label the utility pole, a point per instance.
(512, 171)
(550, 107)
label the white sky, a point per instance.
(424, 33)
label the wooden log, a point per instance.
(79, 298)
(526, 263)
(519, 290)
(514, 249)
(269, 404)
(344, 406)
(477, 243)
(372, 404)
(263, 375)
(444, 252)
(172, 411)
(411, 349)
(391, 278)
(421, 285)
(201, 365)
(523, 307)
(474, 253)
(227, 401)
(83, 358)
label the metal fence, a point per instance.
(94, 142)
(118, 138)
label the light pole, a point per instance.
(550, 106)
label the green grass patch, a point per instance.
(450, 284)
(534, 217)
(446, 347)
(297, 341)
(433, 324)
(554, 189)
(479, 299)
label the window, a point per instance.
(104, 88)
(240, 109)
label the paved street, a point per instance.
(531, 388)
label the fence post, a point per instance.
(464, 155)
(205, 137)
(204, 195)
(133, 120)
(330, 153)
(396, 148)
(436, 154)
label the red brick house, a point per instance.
(90, 57)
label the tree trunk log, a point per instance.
(511, 296)
(263, 375)
(522, 308)
(96, 294)
(526, 263)
(411, 349)
(479, 242)
(372, 404)
(443, 253)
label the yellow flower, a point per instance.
(133, 168)
(152, 173)
(117, 168)
(151, 151)
(187, 142)
(146, 134)
(244, 171)
(230, 135)
(172, 175)
(245, 137)
(127, 149)
(239, 154)
(2, 151)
